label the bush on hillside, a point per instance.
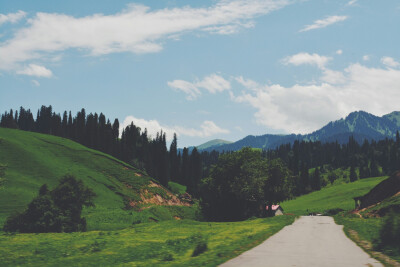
(58, 210)
(200, 244)
(389, 234)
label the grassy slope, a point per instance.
(33, 159)
(142, 245)
(215, 142)
(336, 196)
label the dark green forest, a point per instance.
(305, 161)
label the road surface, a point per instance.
(309, 241)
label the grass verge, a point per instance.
(148, 244)
(363, 231)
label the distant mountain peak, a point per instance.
(213, 143)
(359, 124)
(357, 114)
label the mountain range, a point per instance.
(359, 124)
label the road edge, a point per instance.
(367, 246)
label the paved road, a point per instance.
(309, 241)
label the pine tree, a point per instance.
(195, 172)
(353, 174)
(316, 179)
(185, 167)
(374, 168)
(173, 160)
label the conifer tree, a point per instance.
(185, 167)
(353, 174)
(173, 160)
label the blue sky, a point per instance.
(203, 69)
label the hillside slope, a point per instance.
(361, 125)
(333, 197)
(33, 159)
(215, 142)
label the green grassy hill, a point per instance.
(119, 234)
(32, 159)
(334, 197)
(215, 142)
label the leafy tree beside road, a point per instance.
(242, 183)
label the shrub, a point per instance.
(389, 234)
(168, 257)
(58, 210)
(200, 245)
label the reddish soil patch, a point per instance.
(151, 198)
(132, 203)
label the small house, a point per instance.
(276, 209)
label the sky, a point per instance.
(203, 69)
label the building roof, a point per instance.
(274, 207)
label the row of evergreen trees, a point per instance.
(369, 159)
(136, 147)
(133, 146)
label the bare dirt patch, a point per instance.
(149, 197)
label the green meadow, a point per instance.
(334, 197)
(118, 234)
(33, 159)
(146, 244)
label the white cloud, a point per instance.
(191, 91)
(322, 23)
(35, 83)
(305, 108)
(212, 83)
(207, 128)
(366, 57)
(339, 52)
(306, 58)
(136, 29)
(36, 70)
(333, 77)
(12, 17)
(352, 2)
(239, 128)
(390, 62)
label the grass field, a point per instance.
(146, 244)
(120, 236)
(336, 196)
(116, 236)
(33, 159)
